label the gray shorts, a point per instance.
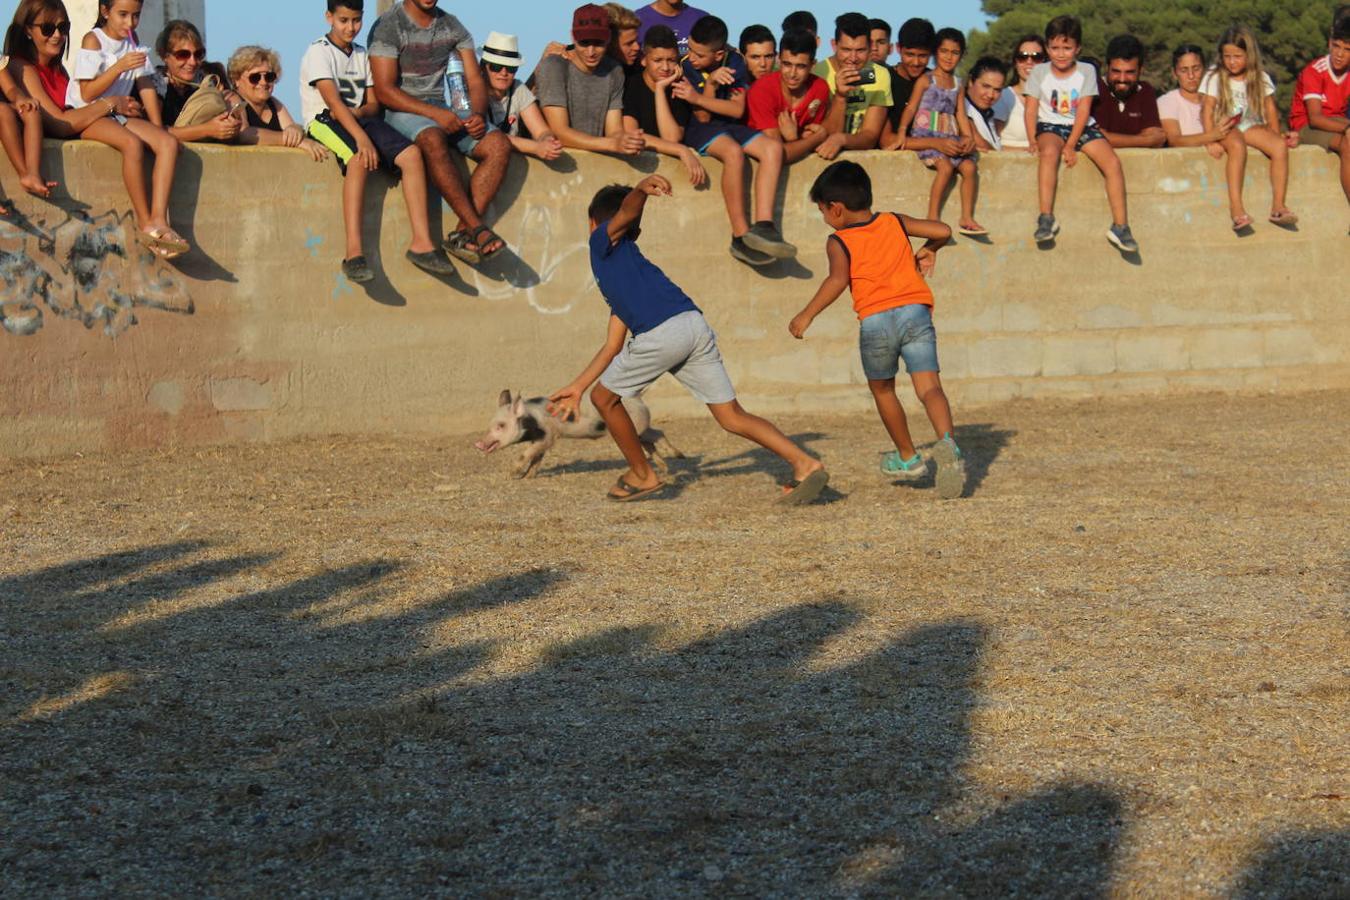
(683, 345)
(1316, 137)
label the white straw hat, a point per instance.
(502, 49)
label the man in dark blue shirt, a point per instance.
(669, 335)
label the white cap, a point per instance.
(502, 49)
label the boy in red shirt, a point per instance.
(870, 254)
(790, 104)
(1321, 94)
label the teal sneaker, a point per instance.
(951, 468)
(903, 469)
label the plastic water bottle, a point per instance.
(457, 88)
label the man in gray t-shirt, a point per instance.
(410, 49)
(581, 92)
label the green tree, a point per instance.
(1292, 33)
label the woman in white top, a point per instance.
(1179, 109)
(1010, 111)
(1239, 92)
(112, 68)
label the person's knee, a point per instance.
(880, 387)
(494, 145)
(133, 148)
(927, 386)
(434, 146)
(410, 160)
(603, 399)
(772, 150)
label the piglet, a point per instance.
(527, 422)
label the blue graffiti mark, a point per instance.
(1187, 217)
(313, 241)
(341, 286)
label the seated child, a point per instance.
(1320, 100)
(1059, 113)
(650, 110)
(1239, 92)
(870, 252)
(341, 112)
(714, 84)
(790, 104)
(669, 335)
(935, 110)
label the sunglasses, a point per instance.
(498, 67)
(184, 55)
(257, 77)
(1035, 57)
(50, 28)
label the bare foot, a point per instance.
(36, 186)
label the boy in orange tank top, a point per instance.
(871, 254)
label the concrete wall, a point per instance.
(257, 336)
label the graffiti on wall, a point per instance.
(84, 268)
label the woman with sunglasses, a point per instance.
(254, 72)
(181, 47)
(36, 43)
(1010, 110)
(512, 107)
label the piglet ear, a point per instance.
(504, 398)
(518, 409)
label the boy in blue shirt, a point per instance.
(714, 84)
(669, 335)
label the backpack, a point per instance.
(205, 104)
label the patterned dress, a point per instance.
(937, 118)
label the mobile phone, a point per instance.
(867, 75)
(1234, 120)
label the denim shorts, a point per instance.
(683, 345)
(410, 125)
(1090, 133)
(904, 332)
(700, 135)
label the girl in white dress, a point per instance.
(112, 67)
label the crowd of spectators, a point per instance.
(665, 78)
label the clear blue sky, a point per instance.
(288, 26)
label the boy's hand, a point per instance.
(670, 79)
(698, 175)
(683, 89)
(847, 78)
(449, 122)
(787, 125)
(800, 322)
(1291, 139)
(1034, 149)
(1215, 150)
(830, 147)
(630, 143)
(564, 404)
(723, 75)
(1070, 156)
(926, 260)
(366, 154)
(655, 186)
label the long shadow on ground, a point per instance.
(303, 736)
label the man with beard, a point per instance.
(1126, 108)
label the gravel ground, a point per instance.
(377, 667)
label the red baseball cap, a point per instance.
(590, 23)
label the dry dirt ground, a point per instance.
(375, 667)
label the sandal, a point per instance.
(468, 243)
(1284, 218)
(459, 245)
(162, 242)
(623, 492)
(1242, 223)
(806, 490)
(973, 230)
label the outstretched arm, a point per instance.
(829, 291)
(565, 402)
